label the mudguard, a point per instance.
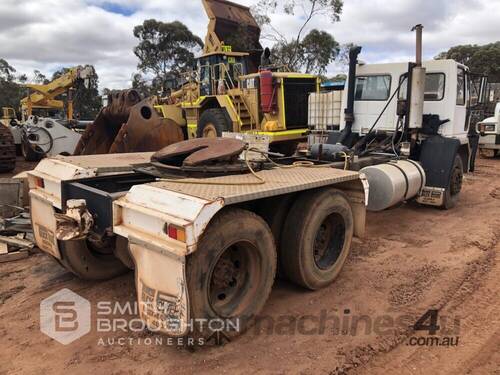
(437, 157)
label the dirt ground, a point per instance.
(413, 259)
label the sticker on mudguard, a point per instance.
(431, 196)
(162, 311)
(47, 240)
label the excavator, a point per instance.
(39, 132)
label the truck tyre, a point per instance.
(452, 192)
(87, 263)
(7, 150)
(231, 274)
(212, 123)
(317, 238)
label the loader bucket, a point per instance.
(100, 134)
(146, 131)
(233, 25)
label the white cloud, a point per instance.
(49, 34)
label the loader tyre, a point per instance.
(317, 238)
(231, 274)
(213, 122)
(83, 260)
(452, 192)
(7, 150)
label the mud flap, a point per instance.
(44, 225)
(161, 288)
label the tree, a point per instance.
(480, 59)
(145, 88)
(319, 46)
(6, 70)
(10, 91)
(86, 101)
(39, 78)
(165, 49)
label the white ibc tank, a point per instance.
(393, 182)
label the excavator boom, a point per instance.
(44, 96)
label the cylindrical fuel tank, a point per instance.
(393, 182)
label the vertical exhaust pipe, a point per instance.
(349, 111)
(418, 44)
(417, 84)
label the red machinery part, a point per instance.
(268, 97)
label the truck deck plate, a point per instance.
(277, 181)
(108, 163)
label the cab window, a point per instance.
(461, 87)
(373, 87)
(434, 87)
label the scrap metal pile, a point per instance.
(128, 124)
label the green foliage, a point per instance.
(165, 48)
(6, 71)
(39, 78)
(480, 59)
(145, 88)
(317, 50)
(312, 53)
(10, 91)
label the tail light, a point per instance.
(175, 232)
(38, 181)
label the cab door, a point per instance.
(460, 123)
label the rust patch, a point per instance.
(200, 151)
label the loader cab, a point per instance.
(447, 94)
(220, 71)
(9, 117)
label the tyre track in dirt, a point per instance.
(413, 258)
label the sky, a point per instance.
(49, 34)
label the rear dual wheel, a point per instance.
(90, 261)
(231, 274)
(317, 238)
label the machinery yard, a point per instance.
(260, 201)
(412, 259)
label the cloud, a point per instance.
(49, 34)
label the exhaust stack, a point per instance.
(417, 84)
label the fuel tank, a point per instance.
(393, 182)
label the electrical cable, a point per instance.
(260, 180)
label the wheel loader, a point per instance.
(232, 89)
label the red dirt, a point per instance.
(413, 259)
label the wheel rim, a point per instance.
(209, 131)
(329, 241)
(456, 181)
(232, 283)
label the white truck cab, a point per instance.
(445, 95)
(489, 129)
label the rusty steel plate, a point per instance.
(200, 151)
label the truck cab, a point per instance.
(489, 130)
(446, 94)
